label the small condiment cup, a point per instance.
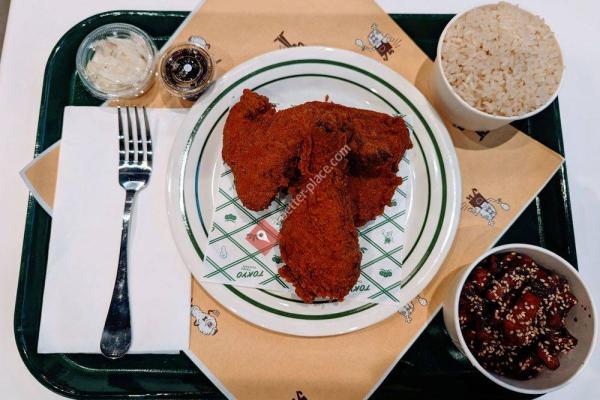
(461, 113)
(581, 322)
(87, 49)
(186, 70)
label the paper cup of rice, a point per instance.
(495, 64)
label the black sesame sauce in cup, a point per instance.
(186, 70)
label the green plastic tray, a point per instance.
(431, 368)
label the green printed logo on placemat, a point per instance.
(386, 273)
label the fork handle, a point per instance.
(116, 336)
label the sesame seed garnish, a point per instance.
(512, 314)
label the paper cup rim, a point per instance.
(467, 352)
(456, 96)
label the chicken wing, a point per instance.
(377, 143)
(260, 158)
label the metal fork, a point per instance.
(135, 168)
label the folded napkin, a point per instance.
(85, 240)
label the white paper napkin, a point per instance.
(85, 238)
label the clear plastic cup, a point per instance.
(117, 61)
(186, 70)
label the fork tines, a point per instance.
(135, 149)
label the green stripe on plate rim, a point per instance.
(207, 111)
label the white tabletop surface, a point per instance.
(34, 27)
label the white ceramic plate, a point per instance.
(290, 77)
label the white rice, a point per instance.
(502, 60)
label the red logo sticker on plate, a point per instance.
(263, 237)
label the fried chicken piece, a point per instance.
(271, 151)
(319, 244)
(261, 147)
(370, 194)
(377, 143)
(318, 240)
(261, 159)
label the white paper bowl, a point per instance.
(584, 329)
(461, 113)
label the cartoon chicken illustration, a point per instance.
(407, 310)
(205, 322)
(483, 207)
(378, 41)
